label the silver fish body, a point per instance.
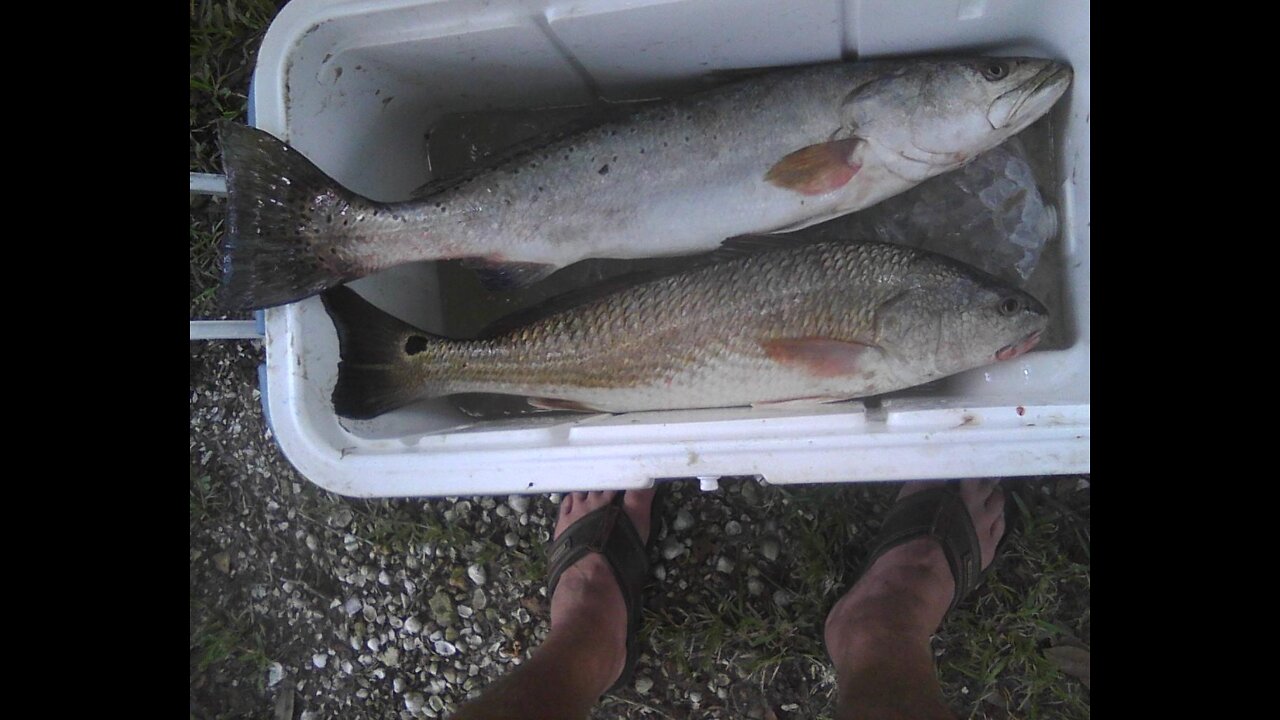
(820, 322)
(771, 153)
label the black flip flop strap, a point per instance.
(610, 532)
(937, 513)
(607, 531)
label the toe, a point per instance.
(995, 500)
(572, 507)
(992, 541)
(638, 505)
(912, 487)
(976, 491)
(586, 502)
(997, 527)
(566, 513)
(983, 498)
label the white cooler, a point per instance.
(356, 84)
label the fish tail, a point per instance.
(282, 242)
(376, 367)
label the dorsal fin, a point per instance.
(644, 271)
(575, 298)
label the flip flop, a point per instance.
(940, 513)
(609, 531)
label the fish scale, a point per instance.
(775, 152)
(831, 321)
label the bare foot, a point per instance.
(904, 595)
(588, 602)
(586, 650)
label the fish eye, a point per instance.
(1010, 305)
(995, 70)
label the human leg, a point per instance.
(585, 651)
(878, 634)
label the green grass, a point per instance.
(206, 232)
(206, 502)
(216, 643)
(1037, 596)
(991, 660)
(220, 637)
(224, 43)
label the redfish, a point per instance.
(813, 322)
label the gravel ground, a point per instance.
(305, 604)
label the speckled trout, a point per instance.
(812, 322)
(778, 151)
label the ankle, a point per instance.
(588, 623)
(582, 652)
(901, 600)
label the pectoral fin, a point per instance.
(820, 357)
(817, 169)
(496, 275)
(799, 403)
(557, 404)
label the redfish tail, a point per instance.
(284, 238)
(375, 370)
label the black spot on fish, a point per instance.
(604, 170)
